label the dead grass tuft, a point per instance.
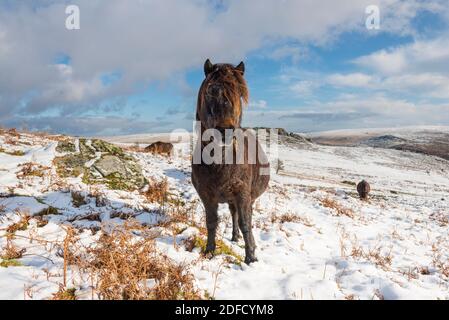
(424, 271)
(337, 208)
(133, 148)
(100, 198)
(127, 266)
(380, 259)
(157, 192)
(441, 218)
(21, 225)
(414, 273)
(182, 214)
(378, 295)
(46, 212)
(65, 294)
(16, 153)
(13, 132)
(78, 199)
(291, 217)
(11, 252)
(378, 255)
(41, 222)
(31, 169)
(441, 264)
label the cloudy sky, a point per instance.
(135, 66)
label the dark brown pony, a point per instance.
(363, 188)
(220, 101)
(163, 148)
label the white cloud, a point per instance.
(295, 53)
(419, 69)
(419, 56)
(397, 16)
(151, 40)
(259, 104)
(351, 80)
(384, 61)
(303, 87)
(424, 85)
(355, 111)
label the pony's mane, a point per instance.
(235, 87)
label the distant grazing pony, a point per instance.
(220, 101)
(159, 147)
(363, 188)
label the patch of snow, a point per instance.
(26, 205)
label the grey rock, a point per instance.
(113, 167)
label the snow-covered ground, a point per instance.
(315, 238)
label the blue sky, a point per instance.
(310, 65)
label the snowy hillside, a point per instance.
(430, 140)
(315, 238)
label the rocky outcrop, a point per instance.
(287, 138)
(97, 161)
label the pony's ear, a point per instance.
(208, 67)
(241, 67)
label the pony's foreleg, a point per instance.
(211, 223)
(235, 223)
(244, 210)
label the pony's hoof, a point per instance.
(249, 260)
(209, 253)
(235, 238)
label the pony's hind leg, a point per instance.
(244, 210)
(235, 222)
(211, 223)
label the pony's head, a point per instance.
(222, 95)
